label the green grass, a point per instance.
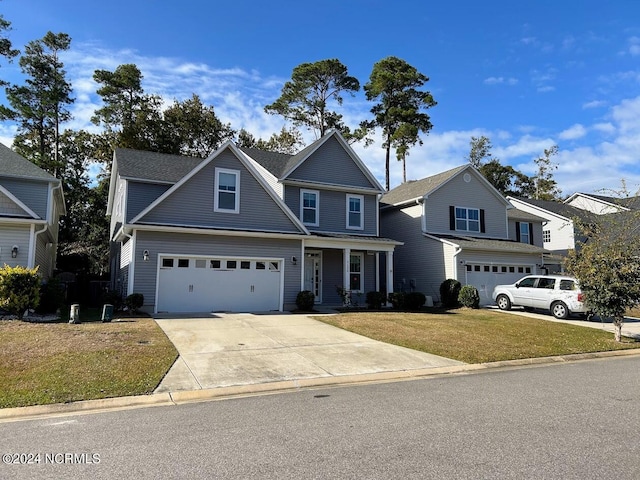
(478, 336)
(42, 363)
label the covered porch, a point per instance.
(341, 269)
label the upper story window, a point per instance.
(546, 236)
(227, 191)
(467, 219)
(525, 234)
(355, 212)
(309, 207)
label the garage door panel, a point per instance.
(219, 284)
(485, 277)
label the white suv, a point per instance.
(559, 294)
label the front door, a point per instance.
(313, 274)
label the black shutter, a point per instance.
(517, 231)
(531, 233)
(482, 228)
(452, 217)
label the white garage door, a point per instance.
(485, 277)
(219, 284)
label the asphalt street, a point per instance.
(574, 420)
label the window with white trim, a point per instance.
(356, 269)
(227, 191)
(546, 236)
(309, 207)
(355, 212)
(525, 235)
(468, 219)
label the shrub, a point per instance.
(414, 300)
(113, 298)
(305, 300)
(375, 299)
(19, 289)
(449, 291)
(51, 296)
(134, 301)
(469, 297)
(398, 300)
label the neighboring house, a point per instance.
(31, 202)
(457, 225)
(559, 230)
(601, 204)
(244, 229)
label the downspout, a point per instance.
(32, 247)
(455, 265)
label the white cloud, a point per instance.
(500, 81)
(594, 104)
(573, 133)
(634, 46)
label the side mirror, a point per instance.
(517, 285)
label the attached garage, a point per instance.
(219, 284)
(485, 276)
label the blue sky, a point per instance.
(527, 74)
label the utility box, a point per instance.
(107, 313)
(74, 314)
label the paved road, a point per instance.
(562, 421)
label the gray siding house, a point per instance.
(457, 225)
(31, 202)
(245, 229)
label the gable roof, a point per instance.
(559, 208)
(517, 214)
(414, 189)
(625, 202)
(246, 163)
(18, 203)
(276, 163)
(13, 164)
(153, 166)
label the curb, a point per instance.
(221, 393)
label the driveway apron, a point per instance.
(222, 350)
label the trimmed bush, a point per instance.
(133, 302)
(51, 296)
(113, 298)
(375, 299)
(305, 300)
(397, 300)
(414, 300)
(449, 291)
(19, 289)
(469, 297)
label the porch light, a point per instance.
(145, 255)
(294, 260)
(14, 251)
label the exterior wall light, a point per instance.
(14, 251)
(145, 255)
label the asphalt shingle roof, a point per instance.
(276, 163)
(160, 167)
(490, 244)
(418, 188)
(516, 214)
(559, 208)
(629, 202)
(13, 164)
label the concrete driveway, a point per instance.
(222, 350)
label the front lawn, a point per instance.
(477, 336)
(43, 363)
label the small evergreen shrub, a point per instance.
(449, 292)
(469, 297)
(19, 289)
(133, 302)
(51, 296)
(375, 299)
(414, 300)
(397, 300)
(305, 300)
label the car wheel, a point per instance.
(503, 302)
(559, 310)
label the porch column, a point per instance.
(389, 273)
(377, 271)
(346, 269)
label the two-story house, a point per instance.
(244, 229)
(457, 225)
(31, 202)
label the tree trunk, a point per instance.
(404, 169)
(617, 323)
(386, 165)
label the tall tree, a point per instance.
(506, 179)
(546, 188)
(288, 141)
(6, 48)
(400, 111)
(194, 128)
(305, 98)
(40, 106)
(607, 264)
